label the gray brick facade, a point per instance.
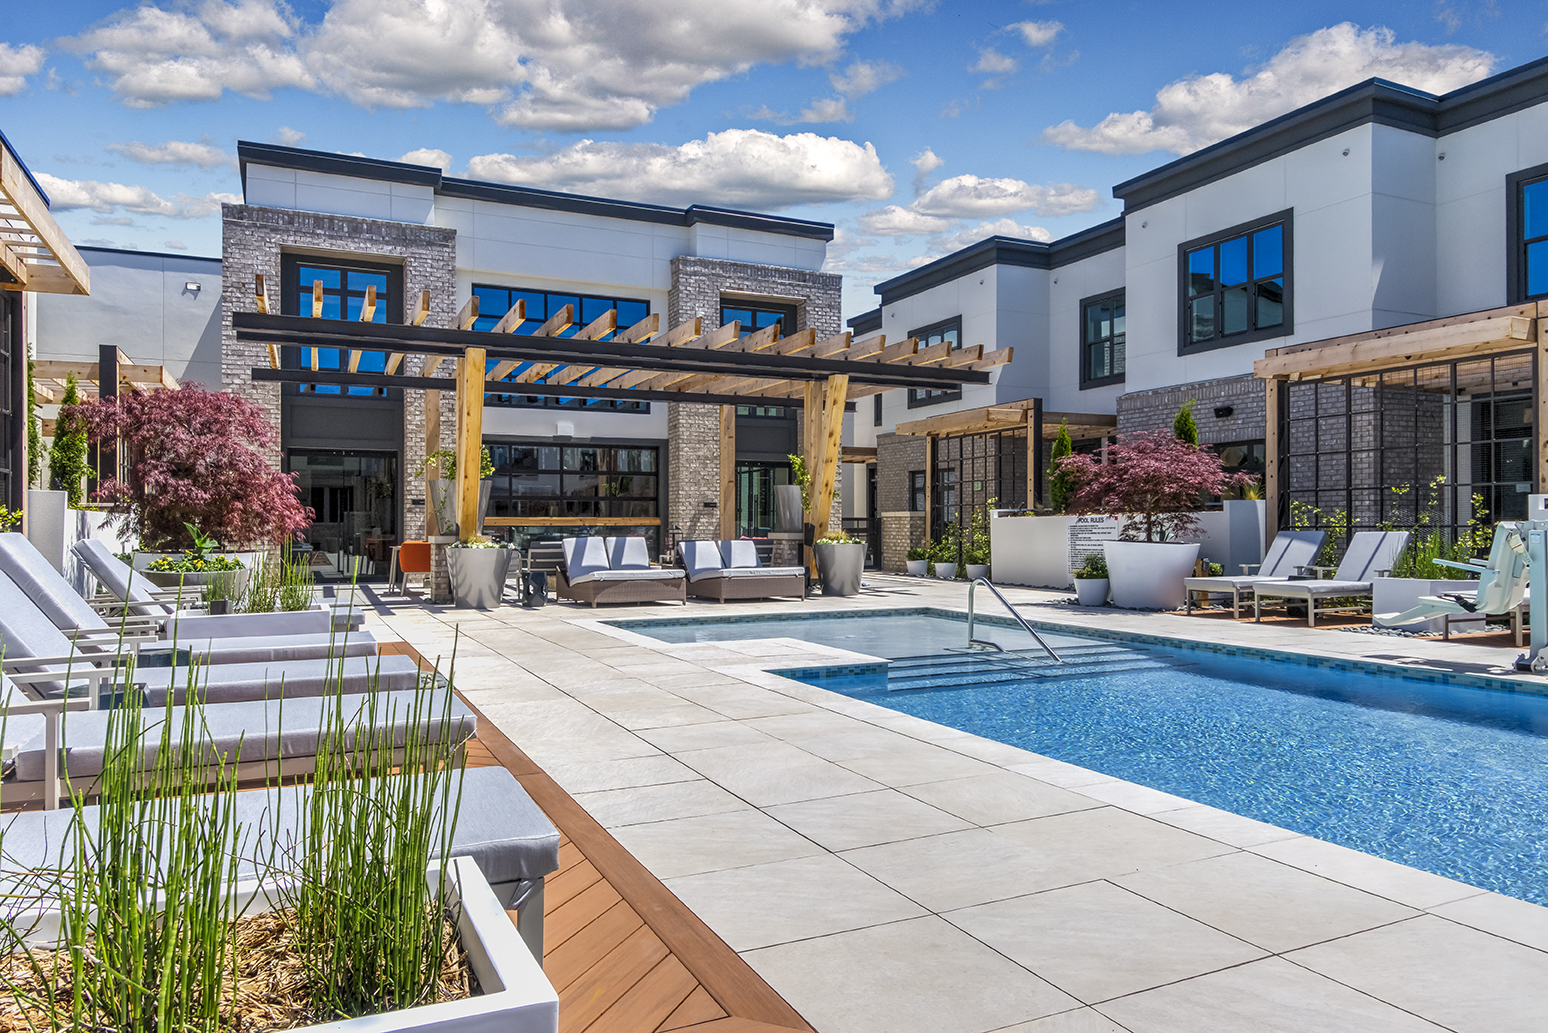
(897, 455)
(1155, 410)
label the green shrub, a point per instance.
(67, 466)
(1092, 568)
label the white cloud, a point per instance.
(972, 197)
(994, 62)
(949, 242)
(108, 198)
(16, 63)
(432, 156)
(864, 77)
(737, 167)
(925, 162)
(287, 136)
(176, 245)
(537, 64)
(1038, 34)
(895, 221)
(153, 56)
(1201, 109)
(826, 109)
(175, 152)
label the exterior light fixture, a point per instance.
(1223, 411)
(194, 286)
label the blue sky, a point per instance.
(914, 127)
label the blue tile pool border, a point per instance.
(1381, 668)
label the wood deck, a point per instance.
(624, 954)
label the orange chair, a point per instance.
(412, 559)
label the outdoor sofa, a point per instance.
(1370, 554)
(730, 570)
(1289, 552)
(615, 570)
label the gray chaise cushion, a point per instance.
(739, 553)
(584, 556)
(652, 574)
(45, 586)
(257, 731)
(627, 553)
(233, 683)
(254, 649)
(118, 578)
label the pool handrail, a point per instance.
(973, 585)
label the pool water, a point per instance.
(1444, 778)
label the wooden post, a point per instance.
(1035, 455)
(832, 436)
(470, 438)
(727, 472)
(432, 467)
(811, 430)
(1271, 462)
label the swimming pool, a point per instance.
(1446, 778)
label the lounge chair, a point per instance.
(268, 737)
(730, 570)
(1370, 554)
(40, 659)
(136, 595)
(1502, 587)
(590, 574)
(256, 640)
(1289, 552)
(498, 825)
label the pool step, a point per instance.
(970, 670)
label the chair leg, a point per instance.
(1311, 611)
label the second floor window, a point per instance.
(1102, 340)
(1236, 286)
(344, 287)
(754, 316)
(1527, 193)
(948, 332)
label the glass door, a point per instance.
(755, 483)
(354, 499)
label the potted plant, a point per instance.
(975, 549)
(477, 569)
(792, 500)
(840, 563)
(1154, 481)
(195, 465)
(918, 560)
(944, 552)
(1091, 580)
(444, 504)
(198, 566)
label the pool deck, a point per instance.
(885, 873)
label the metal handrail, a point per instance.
(972, 586)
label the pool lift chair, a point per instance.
(1502, 582)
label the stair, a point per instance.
(967, 670)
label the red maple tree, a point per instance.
(191, 457)
(1155, 480)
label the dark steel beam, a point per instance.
(303, 331)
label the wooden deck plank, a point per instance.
(565, 886)
(569, 918)
(584, 1001)
(648, 1002)
(698, 1007)
(569, 856)
(577, 956)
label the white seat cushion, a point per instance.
(627, 553)
(700, 558)
(739, 553)
(584, 556)
(652, 574)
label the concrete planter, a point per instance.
(195, 581)
(1396, 594)
(787, 508)
(840, 568)
(1091, 591)
(918, 568)
(1149, 575)
(444, 506)
(478, 576)
(946, 571)
(976, 570)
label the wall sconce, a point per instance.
(193, 287)
(1223, 411)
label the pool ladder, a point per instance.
(972, 586)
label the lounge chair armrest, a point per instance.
(1247, 568)
(46, 706)
(1321, 572)
(84, 661)
(1473, 566)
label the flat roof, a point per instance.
(300, 158)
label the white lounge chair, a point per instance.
(1370, 554)
(1287, 554)
(1502, 586)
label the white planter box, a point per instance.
(1149, 575)
(1391, 595)
(976, 570)
(948, 571)
(242, 625)
(1091, 591)
(918, 568)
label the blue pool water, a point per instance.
(1444, 778)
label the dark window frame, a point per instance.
(1088, 382)
(789, 314)
(876, 416)
(918, 399)
(1185, 344)
(1515, 234)
(290, 305)
(917, 496)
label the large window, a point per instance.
(1101, 340)
(562, 487)
(916, 491)
(344, 287)
(1527, 203)
(1235, 286)
(948, 331)
(755, 316)
(495, 302)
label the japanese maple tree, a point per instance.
(192, 457)
(1152, 478)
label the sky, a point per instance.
(915, 127)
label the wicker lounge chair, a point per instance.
(615, 570)
(730, 570)
(1290, 551)
(1370, 554)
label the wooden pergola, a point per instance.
(1512, 328)
(687, 363)
(35, 255)
(1028, 413)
